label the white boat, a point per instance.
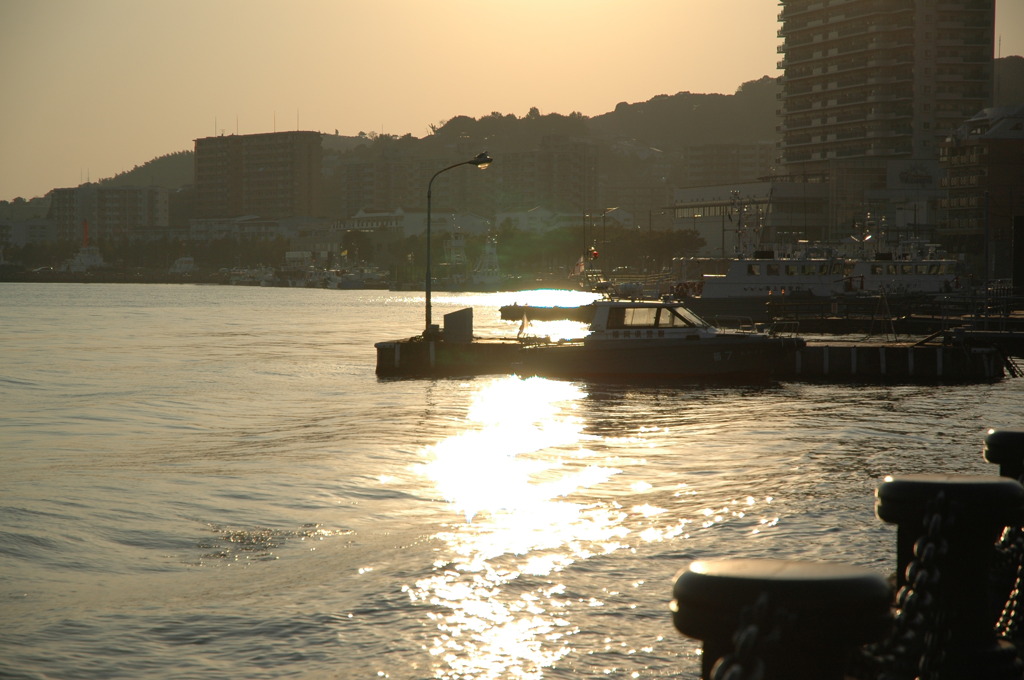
(744, 285)
(656, 340)
(183, 265)
(86, 259)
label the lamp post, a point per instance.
(481, 160)
(604, 233)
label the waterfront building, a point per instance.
(711, 164)
(737, 219)
(271, 175)
(869, 92)
(984, 188)
(110, 212)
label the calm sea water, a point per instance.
(204, 481)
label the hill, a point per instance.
(173, 171)
(687, 119)
(666, 122)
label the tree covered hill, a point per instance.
(173, 171)
(688, 119)
(666, 122)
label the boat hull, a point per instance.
(726, 358)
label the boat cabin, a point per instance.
(645, 320)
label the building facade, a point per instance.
(94, 211)
(713, 164)
(984, 188)
(270, 175)
(867, 83)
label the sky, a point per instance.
(92, 88)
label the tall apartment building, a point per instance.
(561, 173)
(271, 175)
(710, 164)
(870, 90)
(110, 212)
(984, 184)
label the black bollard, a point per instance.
(788, 619)
(947, 528)
(1005, 448)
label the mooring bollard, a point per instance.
(1005, 448)
(779, 619)
(947, 527)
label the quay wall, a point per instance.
(884, 361)
(868, 362)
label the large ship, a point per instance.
(745, 286)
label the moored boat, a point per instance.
(657, 341)
(743, 286)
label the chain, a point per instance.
(1009, 568)
(761, 628)
(915, 645)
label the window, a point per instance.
(642, 316)
(673, 318)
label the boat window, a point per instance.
(823, 269)
(754, 269)
(907, 269)
(891, 269)
(616, 317)
(837, 267)
(640, 316)
(876, 269)
(933, 269)
(676, 317)
(791, 269)
(773, 270)
(922, 269)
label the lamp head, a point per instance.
(482, 160)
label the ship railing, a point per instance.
(740, 324)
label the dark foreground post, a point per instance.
(1005, 448)
(947, 528)
(778, 619)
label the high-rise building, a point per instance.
(271, 175)
(95, 211)
(871, 88)
(984, 162)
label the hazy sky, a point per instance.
(94, 87)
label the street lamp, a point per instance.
(481, 160)
(604, 236)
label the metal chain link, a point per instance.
(915, 645)
(1009, 565)
(761, 627)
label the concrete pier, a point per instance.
(897, 362)
(454, 352)
(817, 362)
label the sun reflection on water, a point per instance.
(498, 606)
(537, 492)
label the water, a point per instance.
(204, 481)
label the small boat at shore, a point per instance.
(654, 340)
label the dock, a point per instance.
(896, 362)
(455, 352)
